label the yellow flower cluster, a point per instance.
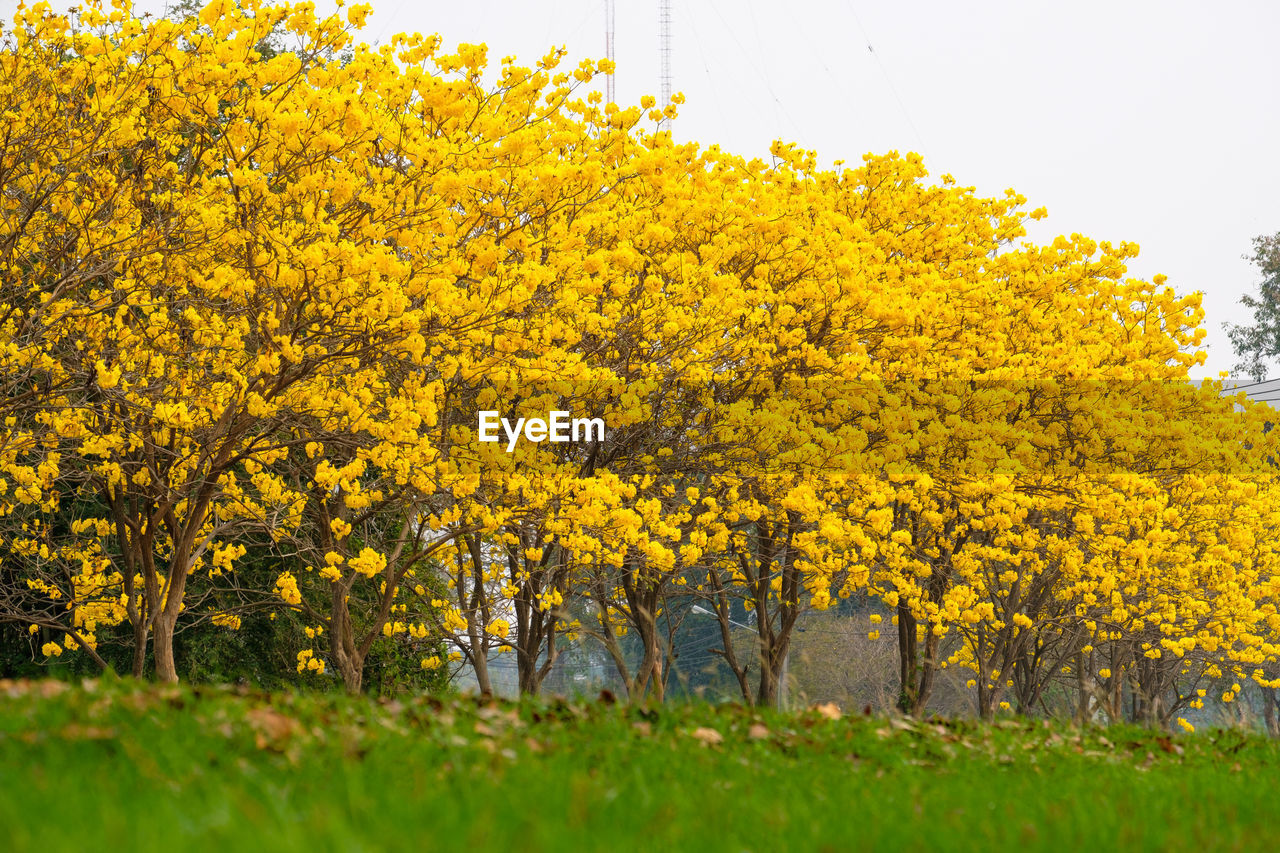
(287, 588)
(308, 662)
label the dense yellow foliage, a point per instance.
(260, 296)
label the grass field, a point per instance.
(120, 766)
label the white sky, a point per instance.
(1154, 122)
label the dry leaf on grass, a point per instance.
(270, 726)
(830, 710)
(710, 737)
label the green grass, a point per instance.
(127, 766)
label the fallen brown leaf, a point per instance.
(710, 737)
(830, 710)
(270, 726)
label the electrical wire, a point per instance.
(706, 65)
(756, 68)
(887, 79)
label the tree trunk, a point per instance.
(535, 628)
(649, 679)
(352, 675)
(342, 645)
(136, 603)
(767, 694)
(166, 671)
(184, 536)
(479, 660)
(915, 672)
(611, 644)
(165, 621)
(1084, 692)
(649, 675)
(928, 669)
(139, 648)
(906, 659)
(726, 637)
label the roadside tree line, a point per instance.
(260, 279)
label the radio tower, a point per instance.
(664, 52)
(609, 20)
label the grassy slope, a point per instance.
(123, 766)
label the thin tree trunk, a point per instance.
(166, 671)
(342, 643)
(907, 641)
(139, 649)
(726, 637)
(610, 641)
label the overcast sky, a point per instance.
(1155, 122)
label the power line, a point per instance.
(383, 29)
(1251, 385)
(711, 80)
(885, 72)
(764, 77)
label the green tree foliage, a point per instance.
(1258, 344)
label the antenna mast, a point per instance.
(610, 20)
(664, 52)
